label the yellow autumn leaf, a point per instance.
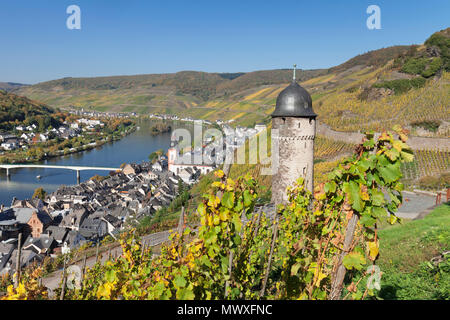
(219, 173)
(214, 202)
(303, 296)
(218, 184)
(104, 291)
(373, 249)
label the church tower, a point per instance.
(296, 123)
(171, 157)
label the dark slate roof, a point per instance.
(59, 233)
(43, 242)
(294, 101)
(7, 248)
(26, 257)
(116, 222)
(74, 239)
(22, 215)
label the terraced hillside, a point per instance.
(408, 85)
(182, 93)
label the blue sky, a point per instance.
(145, 36)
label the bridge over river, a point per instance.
(8, 167)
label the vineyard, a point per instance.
(317, 246)
(344, 111)
(427, 163)
(326, 148)
(327, 152)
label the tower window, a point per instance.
(284, 120)
(299, 125)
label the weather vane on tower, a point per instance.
(293, 78)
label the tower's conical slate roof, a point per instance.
(294, 101)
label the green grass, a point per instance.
(405, 253)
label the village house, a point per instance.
(131, 168)
(44, 244)
(5, 136)
(8, 146)
(38, 222)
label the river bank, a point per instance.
(51, 149)
(134, 147)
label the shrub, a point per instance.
(432, 68)
(430, 125)
(435, 182)
(443, 43)
(402, 85)
(415, 65)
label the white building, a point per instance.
(9, 145)
(185, 170)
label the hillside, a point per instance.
(408, 85)
(9, 86)
(16, 109)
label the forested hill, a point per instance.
(8, 86)
(201, 85)
(16, 110)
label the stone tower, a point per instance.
(296, 123)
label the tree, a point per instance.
(39, 193)
(155, 155)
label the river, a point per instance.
(133, 148)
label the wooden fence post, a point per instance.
(339, 275)
(181, 222)
(83, 270)
(61, 297)
(272, 247)
(219, 194)
(19, 251)
(96, 253)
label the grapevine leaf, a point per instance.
(373, 249)
(352, 189)
(294, 269)
(354, 260)
(330, 187)
(407, 155)
(378, 212)
(390, 172)
(228, 199)
(377, 197)
(367, 221)
(392, 154)
(185, 294)
(247, 198)
(179, 282)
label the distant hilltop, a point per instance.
(9, 86)
(405, 84)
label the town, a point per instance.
(88, 212)
(30, 142)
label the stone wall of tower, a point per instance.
(296, 154)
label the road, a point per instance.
(53, 280)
